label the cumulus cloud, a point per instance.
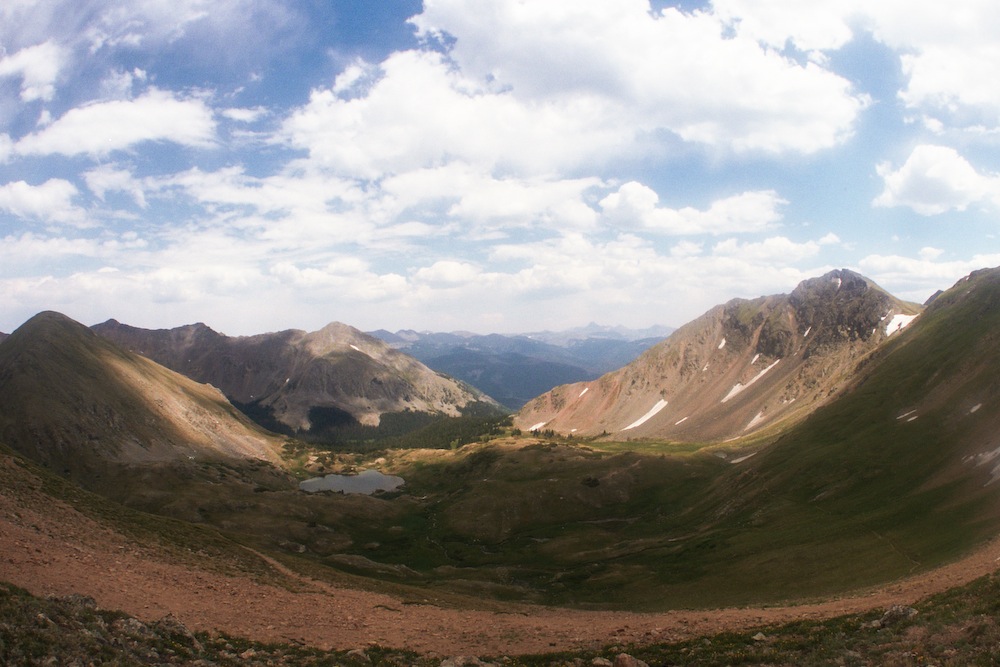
(104, 127)
(51, 201)
(948, 52)
(672, 71)
(636, 205)
(38, 67)
(917, 278)
(935, 180)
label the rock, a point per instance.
(895, 614)
(625, 660)
(360, 655)
(601, 662)
(465, 661)
(759, 637)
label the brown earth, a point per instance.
(48, 547)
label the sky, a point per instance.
(495, 166)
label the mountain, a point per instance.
(301, 382)
(513, 369)
(740, 367)
(74, 402)
(594, 331)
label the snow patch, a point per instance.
(738, 387)
(677, 423)
(743, 458)
(649, 415)
(756, 420)
(755, 358)
(983, 459)
(355, 347)
(975, 407)
(537, 426)
(808, 329)
(585, 390)
(898, 323)
(906, 414)
(838, 282)
(704, 368)
(722, 344)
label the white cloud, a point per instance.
(813, 26)
(934, 180)
(448, 273)
(423, 113)
(31, 250)
(245, 115)
(52, 201)
(636, 205)
(916, 279)
(108, 178)
(104, 127)
(948, 51)
(775, 251)
(673, 71)
(38, 66)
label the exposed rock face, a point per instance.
(72, 400)
(293, 372)
(740, 367)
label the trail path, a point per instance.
(60, 551)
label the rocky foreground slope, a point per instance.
(740, 367)
(291, 373)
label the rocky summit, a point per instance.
(741, 367)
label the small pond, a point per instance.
(366, 481)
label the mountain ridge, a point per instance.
(741, 366)
(293, 373)
(73, 400)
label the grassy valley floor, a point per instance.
(61, 552)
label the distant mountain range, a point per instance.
(515, 368)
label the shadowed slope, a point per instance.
(74, 401)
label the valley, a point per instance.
(148, 491)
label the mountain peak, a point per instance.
(739, 367)
(74, 401)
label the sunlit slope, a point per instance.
(292, 373)
(73, 402)
(741, 367)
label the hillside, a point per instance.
(740, 367)
(303, 381)
(883, 493)
(516, 368)
(75, 402)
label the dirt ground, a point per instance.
(59, 551)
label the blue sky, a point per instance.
(493, 166)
